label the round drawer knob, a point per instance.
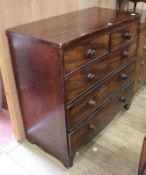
(124, 76)
(92, 127)
(91, 53)
(126, 106)
(123, 99)
(144, 48)
(90, 77)
(142, 63)
(125, 54)
(127, 35)
(92, 103)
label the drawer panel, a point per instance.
(124, 34)
(99, 119)
(86, 78)
(81, 109)
(85, 51)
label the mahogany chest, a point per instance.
(73, 72)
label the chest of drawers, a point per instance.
(73, 72)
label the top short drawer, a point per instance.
(123, 34)
(85, 51)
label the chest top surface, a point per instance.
(63, 29)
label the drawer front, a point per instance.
(86, 51)
(80, 110)
(80, 81)
(99, 120)
(124, 34)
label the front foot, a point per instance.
(127, 106)
(69, 163)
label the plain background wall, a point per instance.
(17, 12)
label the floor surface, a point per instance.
(115, 151)
(6, 133)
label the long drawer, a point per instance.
(82, 80)
(85, 51)
(82, 108)
(99, 119)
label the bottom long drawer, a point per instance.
(99, 119)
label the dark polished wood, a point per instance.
(67, 28)
(92, 74)
(99, 120)
(73, 76)
(124, 34)
(41, 94)
(86, 51)
(140, 75)
(80, 110)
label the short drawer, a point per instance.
(124, 34)
(86, 78)
(85, 51)
(89, 103)
(99, 119)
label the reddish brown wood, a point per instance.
(99, 120)
(92, 74)
(82, 109)
(67, 28)
(124, 34)
(55, 71)
(41, 94)
(86, 51)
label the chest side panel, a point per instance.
(38, 72)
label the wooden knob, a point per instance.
(126, 106)
(142, 63)
(90, 77)
(123, 99)
(91, 53)
(125, 54)
(144, 48)
(92, 127)
(124, 76)
(92, 103)
(127, 35)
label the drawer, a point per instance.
(85, 51)
(81, 109)
(86, 78)
(99, 120)
(124, 34)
